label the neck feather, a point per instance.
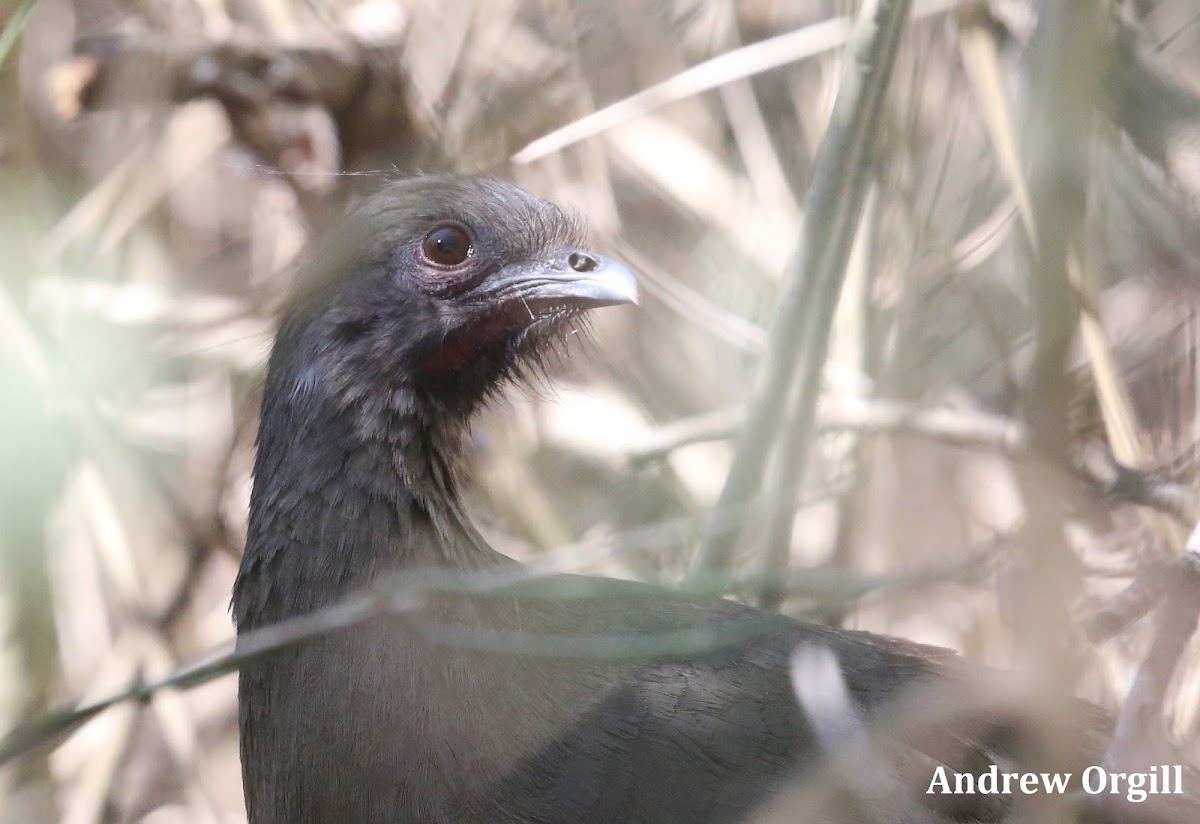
(343, 495)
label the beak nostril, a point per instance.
(582, 262)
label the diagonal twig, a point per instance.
(841, 177)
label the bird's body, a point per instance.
(575, 700)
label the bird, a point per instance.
(564, 699)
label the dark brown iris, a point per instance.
(447, 245)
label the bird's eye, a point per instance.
(447, 245)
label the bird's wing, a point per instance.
(703, 714)
(688, 709)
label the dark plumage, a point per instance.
(433, 295)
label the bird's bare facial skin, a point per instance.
(438, 290)
(508, 274)
(527, 302)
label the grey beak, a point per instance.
(571, 276)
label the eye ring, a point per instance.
(447, 245)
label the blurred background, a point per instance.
(163, 163)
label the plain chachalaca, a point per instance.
(520, 704)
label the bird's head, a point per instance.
(433, 293)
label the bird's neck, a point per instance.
(339, 501)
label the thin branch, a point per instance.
(809, 294)
(251, 647)
(1062, 122)
(790, 464)
(736, 64)
(1138, 737)
(390, 597)
(1094, 463)
(14, 27)
(958, 427)
(1123, 483)
(1141, 596)
(396, 596)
